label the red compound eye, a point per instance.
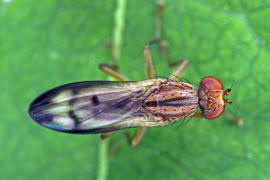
(211, 97)
(215, 113)
(211, 83)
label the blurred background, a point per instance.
(44, 44)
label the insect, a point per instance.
(107, 106)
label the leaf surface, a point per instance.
(48, 43)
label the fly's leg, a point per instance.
(111, 70)
(110, 47)
(106, 134)
(132, 142)
(114, 64)
(163, 47)
(149, 65)
(150, 71)
(137, 137)
(115, 146)
(236, 120)
(113, 73)
(179, 70)
(163, 44)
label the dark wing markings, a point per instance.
(97, 110)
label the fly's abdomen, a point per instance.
(175, 100)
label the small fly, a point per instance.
(108, 106)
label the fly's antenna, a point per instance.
(232, 84)
(235, 109)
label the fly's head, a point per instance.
(211, 97)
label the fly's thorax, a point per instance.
(172, 100)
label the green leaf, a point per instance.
(48, 43)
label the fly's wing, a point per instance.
(90, 107)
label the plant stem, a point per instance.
(103, 160)
(119, 19)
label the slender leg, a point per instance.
(110, 46)
(106, 134)
(237, 121)
(163, 44)
(132, 142)
(177, 73)
(137, 137)
(111, 72)
(163, 47)
(114, 65)
(115, 146)
(150, 69)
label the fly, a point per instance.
(107, 106)
(104, 106)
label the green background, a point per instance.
(44, 44)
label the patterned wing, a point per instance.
(90, 106)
